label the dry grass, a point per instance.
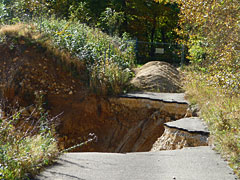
(17, 30)
(31, 34)
(23, 151)
(221, 112)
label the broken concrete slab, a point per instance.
(192, 124)
(165, 97)
(186, 132)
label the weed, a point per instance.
(221, 111)
(27, 143)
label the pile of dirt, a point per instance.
(157, 76)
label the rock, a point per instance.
(157, 76)
(70, 93)
(186, 132)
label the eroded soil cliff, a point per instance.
(121, 124)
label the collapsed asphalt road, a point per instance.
(198, 163)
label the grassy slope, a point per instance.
(221, 112)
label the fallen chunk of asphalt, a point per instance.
(192, 124)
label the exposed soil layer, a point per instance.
(121, 124)
(27, 68)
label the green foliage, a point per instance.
(3, 11)
(110, 21)
(105, 57)
(81, 12)
(216, 25)
(197, 53)
(25, 149)
(151, 21)
(15, 11)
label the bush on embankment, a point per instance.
(108, 59)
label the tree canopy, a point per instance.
(142, 19)
(212, 32)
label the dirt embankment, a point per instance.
(121, 124)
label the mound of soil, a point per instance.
(157, 76)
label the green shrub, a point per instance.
(16, 11)
(197, 52)
(108, 59)
(212, 33)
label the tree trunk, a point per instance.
(153, 30)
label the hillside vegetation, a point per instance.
(211, 30)
(29, 143)
(108, 60)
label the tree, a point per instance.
(110, 21)
(213, 28)
(151, 21)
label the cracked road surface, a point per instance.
(198, 163)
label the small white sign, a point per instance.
(159, 50)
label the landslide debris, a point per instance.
(29, 68)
